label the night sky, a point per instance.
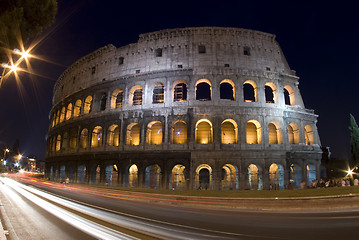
(319, 39)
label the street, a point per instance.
(79, 212)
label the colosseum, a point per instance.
(188, 108)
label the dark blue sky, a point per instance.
(319, 39)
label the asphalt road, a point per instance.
(180, 222)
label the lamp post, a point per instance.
(13, 66)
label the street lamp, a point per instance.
(12, 66)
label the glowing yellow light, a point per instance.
(13, 68)
(350, 172)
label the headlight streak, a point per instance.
(142, 225)
(80, 223)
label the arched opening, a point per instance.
(153, 176)
(230, 177)
(84, 138)
(253, 132)
(71, 173)
(276, 177)
(179, 132)
(289, 96)
(270, 92)
(229, 132)
(95, 174)
(62, 114)
(69, 111)
(204, 133)
(293, 133)
(274, 133)
(255, 177)
(77, 108)
(117, 99)
(111, 173)
(57, 118)
(103, 102)
(295, 177)
(180, 92)
(227, 90)
(250, 91)
(113, 135)
(178, 178)
(96, 140)
(132, 176)
(65, 141)
(73, 138)
(203, 177)
(154, 133)
(158, 93)
(136, 95)
(133, 134)
(88, 105)
(203, 90)
(311, 174)
(81, 173)
(308, 134)
(58, 143)
(62, 173)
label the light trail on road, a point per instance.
(148, 227)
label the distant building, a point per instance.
(188, 108)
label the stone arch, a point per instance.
(255, 177)
(62, 173)
(203, 90)
(84, 138)
(135, 97)
(81, 173)
(253, 132)
(88, 105)
(230, 177)
(309, 135)
(154, 133)
(274, 133)
(289, 96)
(229, 132)
(204, 132)
(133, 134)
(111, 175)
(293, 133)
(113, 135)
(71, 172)
(131, 176)
(311, 173)
(57, 118)
(69, 111)
(153, 176)
(295, 175)
(179, 132)
(250, 91)
(117, 98)
(158, 95)
(73, 138)
(77, 108)
(178, 177)
(203, 177)
(276, 176)
(270, 92)
(97, 137)
(179, 91)
(227, 90)
(95, 174)
(62, 114)
(58, 143)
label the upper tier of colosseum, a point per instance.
(204, 50)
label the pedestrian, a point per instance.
(356, 182)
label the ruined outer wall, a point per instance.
(101, 71)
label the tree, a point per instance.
(23, 19)
(354, 141)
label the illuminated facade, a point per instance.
(190, 108)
